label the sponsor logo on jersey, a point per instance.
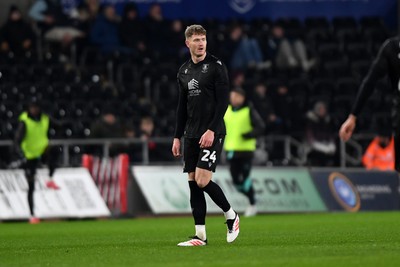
(193, 87)
(204, 68)
(219, 62)
(242, 6)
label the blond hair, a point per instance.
(194, 29)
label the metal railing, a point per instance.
(293, 149)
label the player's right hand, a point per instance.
(176, 148)
(347, 128)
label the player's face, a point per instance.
(197, 45)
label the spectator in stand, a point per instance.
(177, 48)
(105, 31)
(286, 53)
(282, 107)
(380, 152)
(16, 35)
(320, 137)
(86, 14)
(244, 51)
(157, 30)
(55, 24)
(238, 80)
(263, 104)
(157, 151)
(131, 30)
(107, 126)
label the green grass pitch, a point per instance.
(327, 239)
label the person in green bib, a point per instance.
(243, 125)
(32, 146)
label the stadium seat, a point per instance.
(344, 23)
(357, 51)
(372, 23)
(322, 87)
(346, 86)
(359, 68)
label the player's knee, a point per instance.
(202, 182)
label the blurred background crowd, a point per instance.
(110, 74)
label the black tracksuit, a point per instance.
(386, 63)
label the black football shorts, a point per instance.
(203, 158)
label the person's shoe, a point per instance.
(233, 229)
(250, 211)
(52, 185)
(193, 242)
(34, 220)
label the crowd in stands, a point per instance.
(93, 66)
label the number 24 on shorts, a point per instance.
(207, 157)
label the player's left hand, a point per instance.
(207, 139)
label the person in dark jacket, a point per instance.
(320, 139)
(386, 64)
(16, 35)
(131, 29)
(105, 31)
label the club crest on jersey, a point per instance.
(204, 68)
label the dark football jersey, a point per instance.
(386, 63)
(203, 98)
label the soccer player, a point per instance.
(203, 99)
(31, 144)
(386, 63)
(243, 125)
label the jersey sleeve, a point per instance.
(221, 95)
(181, 112)
(378, 70)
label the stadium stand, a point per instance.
(77, 89)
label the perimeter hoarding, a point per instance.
(77, 197)
(277, 190)
(357, 190)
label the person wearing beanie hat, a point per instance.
(32, 146)
(243, 126)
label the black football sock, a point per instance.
(198, 203)
(31, 189)
(217, 195)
